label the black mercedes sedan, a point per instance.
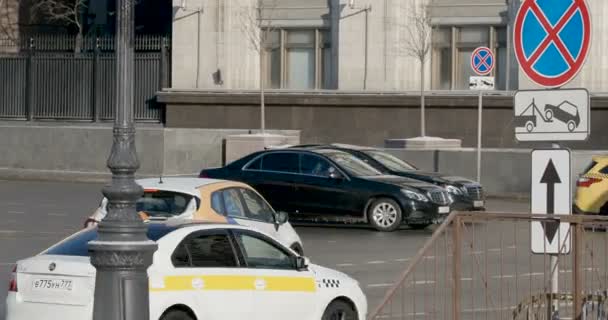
(332, 183)
(467, 194)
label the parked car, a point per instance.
(208, 200)
(200, 271)
(467, 194)
(333, 183)
(592, 188)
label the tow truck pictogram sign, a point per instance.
(552, 115)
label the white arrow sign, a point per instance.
(552, 195)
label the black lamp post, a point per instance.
(122, 252)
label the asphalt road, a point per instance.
(35, 215)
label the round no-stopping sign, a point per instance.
(482, 61)
(552, 39)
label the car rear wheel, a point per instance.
(339, 310)
(176, 315)
(384, 214)
(549, 115)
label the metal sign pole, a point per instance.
(479, 129)
(554, 303)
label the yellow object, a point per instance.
(592, 188)
(237, 282)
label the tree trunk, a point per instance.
(422, 111)
(78, 42)
(262, 105)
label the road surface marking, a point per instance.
(376, 262)
(345, 265)
(380, 285)
(15, 212)
(403, 260)
(52, 214)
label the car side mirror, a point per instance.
(302, 263)
(335, 175)
(280, 218)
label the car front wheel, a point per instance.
(384, 214)
(339, 310)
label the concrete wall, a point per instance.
(364, 118)
(80, 152)
(9, 25)
(504, 172)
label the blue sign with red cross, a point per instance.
(552, 39)
(482, 61)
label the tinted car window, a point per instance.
(217, 202)
(257, 208)
(390, 161)
(281, 162)
(259, 253)
(77, 244)
(314, 165)
(232, 203)
(604, 170)
(205, 251)
(350, 163)
(163, 203)
(255, 165)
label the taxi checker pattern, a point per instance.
(330, 283)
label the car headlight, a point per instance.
(453, 190)
(415, 195)
(464, 190)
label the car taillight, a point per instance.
(12, 285)
(586, 182)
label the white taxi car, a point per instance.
(200, 271)
(208, 200)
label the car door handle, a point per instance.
(260, 284)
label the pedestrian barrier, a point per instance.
(479, 265)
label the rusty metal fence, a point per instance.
(480, 266)
(44, 82)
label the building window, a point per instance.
(442, 58)
(452, 49)
(298, 59)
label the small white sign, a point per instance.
(552, 195)
(481, 83)
(552, 115)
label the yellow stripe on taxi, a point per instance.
(235, 283)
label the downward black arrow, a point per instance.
(550, 178)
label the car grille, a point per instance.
(475, 192)
(440, 197)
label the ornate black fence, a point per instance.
(44, 79)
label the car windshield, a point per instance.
(390, 161)
(350, 163)
(78, 243)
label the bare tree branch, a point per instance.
(257, 27)
(63, 11)
(415, 40)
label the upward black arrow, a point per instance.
(550, 178)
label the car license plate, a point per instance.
(478, 204)
(53, 284)
(444, 210)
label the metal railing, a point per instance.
(480, 266)
(62, 85)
